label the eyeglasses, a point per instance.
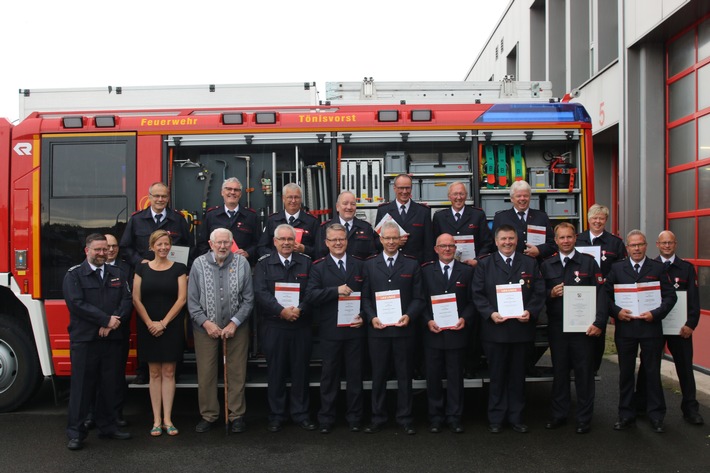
(222, 243)
(636, 245)
(336, 240)
(292, 197)
(232, 189)
(390, 238)
(446, 247)
(159, 196)
(286, 239)
(99, 250)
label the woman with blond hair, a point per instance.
(159, 296)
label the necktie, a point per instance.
(521, 214)
(565, 261)
(594, 239)
(287, 263)
(99, 273)
(666, 265)
(509, 262)
(342, 266)
(446, 272)
(291, 220)
(457, 215)
(231, 213)
(347, 227)
(403, 211)
(158, 218)
(637, 267)
(390, 263)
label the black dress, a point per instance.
(159, 290)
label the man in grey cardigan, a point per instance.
(220, 298)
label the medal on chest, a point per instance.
(576, 279)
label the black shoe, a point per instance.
(521, 428)
(90, 424)
(307, 424)
(456, 427)
(495, 428)
(694, 419)
(373, 428)
(116, 435)
(409, 429)
(274, 426)
(325, 428)
(623, 424)
(435, 427)
(75, 444)
(121, 422)
(555, 423)
(583, 428)
(141, 378)
(657, 426)
(239, 425)
(203, 426)
(355, 427)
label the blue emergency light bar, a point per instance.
(535, 113)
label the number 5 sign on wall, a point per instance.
(601, 114)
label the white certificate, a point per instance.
(348, 309)
(465, 247)
(179, 254)
(678, 315)
(389, 307)
(626, 297)
(649, 296)
(510, 300)
(389, 218)
(446, 314)
(595, 251)
(579, 308)
(536, 235)
(287, 293)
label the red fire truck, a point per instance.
(81, 161)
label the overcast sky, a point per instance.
(83, 43)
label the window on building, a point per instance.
(688, 151)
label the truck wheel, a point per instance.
(20, 374)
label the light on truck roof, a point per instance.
(73, 122)
(421, 115)
(387, 116)
(232, 118)
(265, 118)
(105, 121)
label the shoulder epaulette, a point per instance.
(73, 268)
(372, 256)
(383, 203)
(407, 256)
(213, 208)
(249, 209)
(319, 260)
(503, 210)
(271, 215)
(482, 257)
(356, 257)
(428, 263)
(302, 254)
(476, 208)
(423, 204)
(264, 257)
(557, 253)
(137, 212)
(325, 223)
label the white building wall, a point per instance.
(642, 16)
